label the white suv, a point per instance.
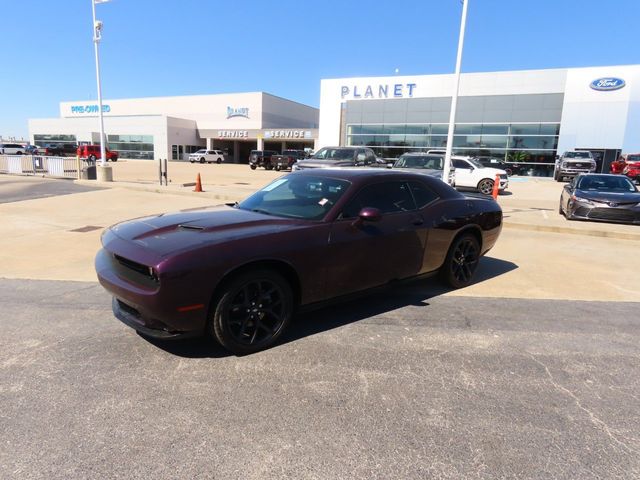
(472, 174)
(207, 156)
(11, 149)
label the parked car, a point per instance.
(207, 156)
(573, 163)
(425, 164)
(52, 149)
(92, 153)
(11, 149)
(471, 174)
(239, 272)
(601, 197)
(329, 157)
(31, 150)
(261, 158)
(628, 164)
(287, 159)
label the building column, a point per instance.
(236, 153)
(209, 143)
(283, 146)
(260, 143)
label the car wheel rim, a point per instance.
(464, 261)
(256, 312)
(486, 187)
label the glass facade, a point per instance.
(43, 139)
(519, 129)
(132, 146)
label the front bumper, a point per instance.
(130, 317)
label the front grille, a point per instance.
(137, 272)
(615, 214)
(128, 309)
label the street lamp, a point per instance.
(97, 36)
(454, 97)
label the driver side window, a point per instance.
(389, 197)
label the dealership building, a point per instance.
(519, 116)
(172, 127)
(525, 117)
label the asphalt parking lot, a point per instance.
(532, 372)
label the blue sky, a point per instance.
(188, 47)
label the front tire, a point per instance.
(461, 261)
(202, 160)
(251, 311)
(253, 166)
(218, 161)
(485, 186)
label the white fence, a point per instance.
(61, 167)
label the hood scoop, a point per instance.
(191, 227)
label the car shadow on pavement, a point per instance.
(374, 302)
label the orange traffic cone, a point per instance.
(496, 187)
(198, 185)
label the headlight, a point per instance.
(581, 199)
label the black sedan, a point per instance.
(239, 272)
(601, 197)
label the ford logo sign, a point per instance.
(607, 83)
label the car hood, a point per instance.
(172, 233)
(620, 198)
(313, 163)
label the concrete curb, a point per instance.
(572, 231)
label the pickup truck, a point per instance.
(572, 163)
(330, 157)
(287, 159)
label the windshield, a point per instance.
(334, 154)
(633, 158)
(297, 196)
(577, 155)
(414, 161)
(606, 183)
(201, 151)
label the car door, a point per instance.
(464, 173)
(363, 254)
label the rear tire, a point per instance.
(202, 160)
(218, 161)
(253, 167)
(252, 311)
(461, 262)
(92, 158)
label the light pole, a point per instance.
(454, 97)
(97, 36)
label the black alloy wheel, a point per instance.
(253, 166)
(202, 160)
(218, 161)
(462, 261)
(252, 311)
(485, 186)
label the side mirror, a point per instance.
(368, 214)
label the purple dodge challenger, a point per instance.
(239, 272)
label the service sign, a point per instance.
(607, 83)
(287, 134)
(233, 134)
